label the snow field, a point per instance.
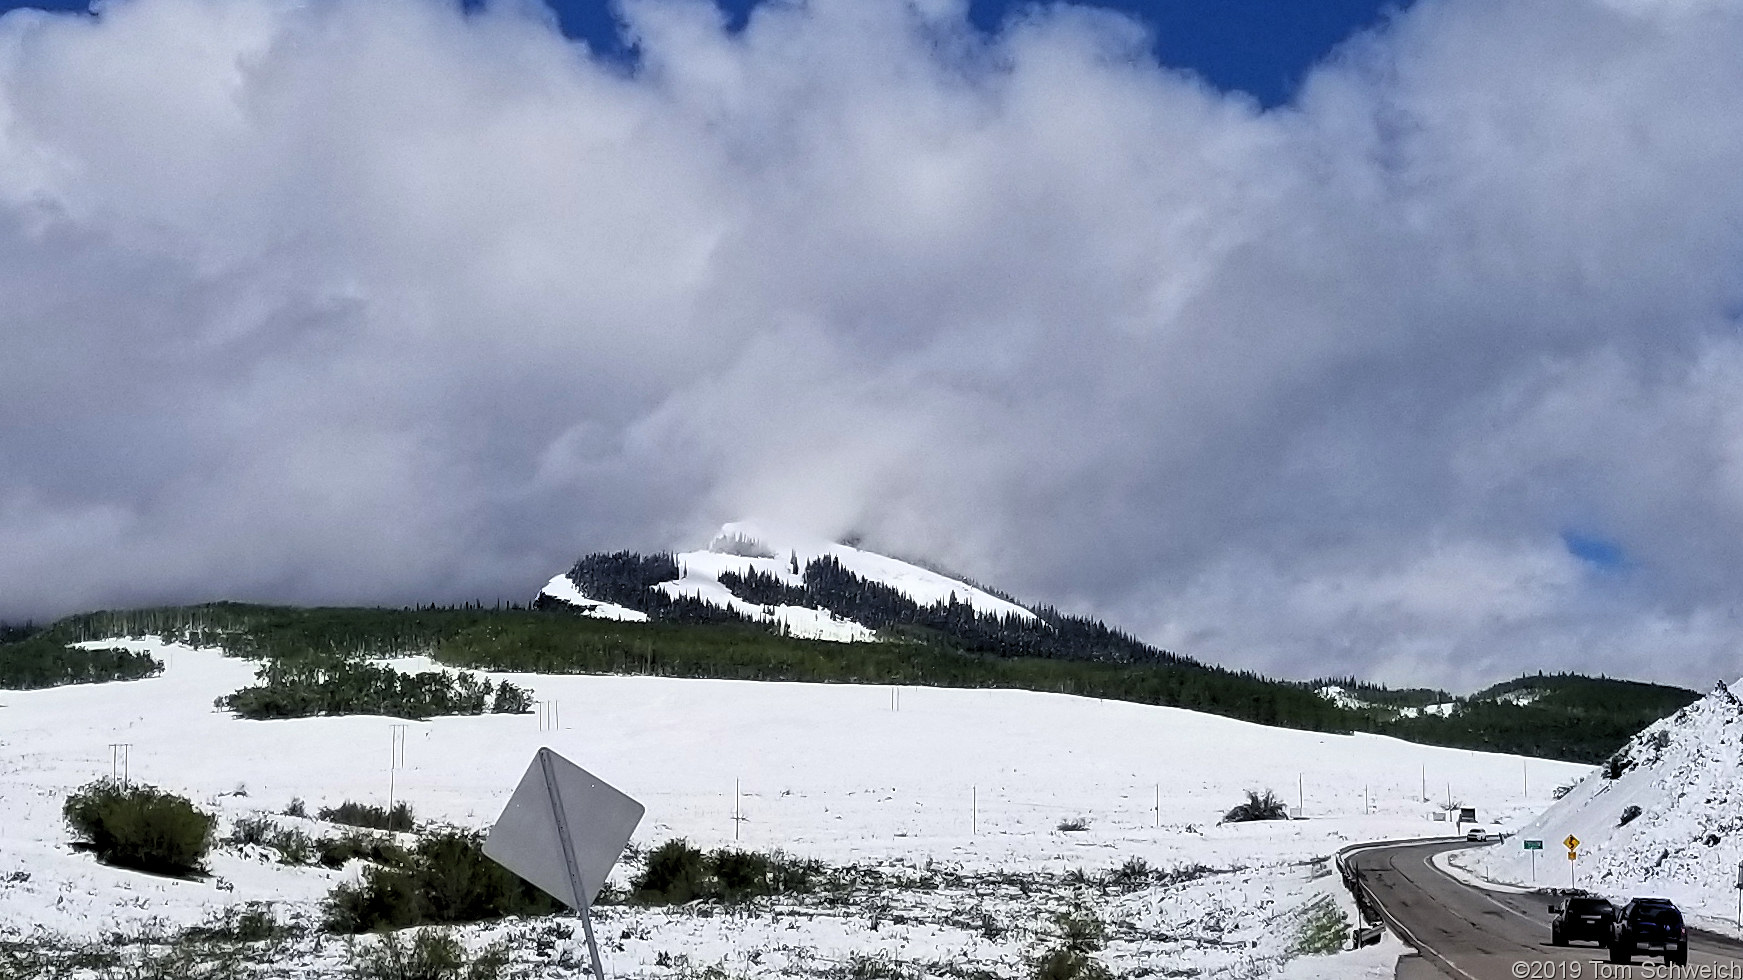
(964, 787)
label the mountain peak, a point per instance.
(762, 572)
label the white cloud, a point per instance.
(378, 301)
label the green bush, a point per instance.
(1077, 936)
(1324, 929)
(257, 831)
(445, 879)
(1259, 806)
(251, 922)
(140, 827)
(336, 852)
(430, 954)
(1132, 875)
(294, 847)
(367, 815)
(675, 873)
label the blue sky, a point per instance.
(1262, 47)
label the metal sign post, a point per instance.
(569, 864)
(562, 831)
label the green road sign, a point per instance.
(1534, 845)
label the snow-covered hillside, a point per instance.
(1669, 823)
(963, 788)
(746, 546)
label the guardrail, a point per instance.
(1369, 909)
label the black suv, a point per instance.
(1582, 919)
(1649, 925)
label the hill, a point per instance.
(761, 606)
(954, 828)
(1659, 817)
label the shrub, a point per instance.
(295, 808)
(1615, 766)
(1259, 806)
(251, 922)
(430, 954)
(1073, 825)
(1628, 814)
(1078, 935)
(367, 815)
(257, 831)
(336, 852)
(332, 685)
(294, 847)
(39, 662)
(1135, 873)
(140, 827)
(445, 879)
(1324, 928)
(676, 872)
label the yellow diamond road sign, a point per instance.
(1572, 842)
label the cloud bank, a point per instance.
(379, 301)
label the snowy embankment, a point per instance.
(967, 788)
(1662, 819)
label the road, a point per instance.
(1465, 933)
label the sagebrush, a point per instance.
(140, 827)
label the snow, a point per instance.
(1340, 697)
(699, 573)
(969, 786)
(1443, 709)
(699, 576)
(1344, 699)
(1685, 774)
(561, 588)
(922, 585)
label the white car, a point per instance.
(1477, 834)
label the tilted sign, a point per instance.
(1534, 845)
(562, 830)
(557, 799)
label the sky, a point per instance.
(1417, 362)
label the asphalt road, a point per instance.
(1465, 933)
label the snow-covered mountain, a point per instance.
(1663, 816)
(744, 547)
